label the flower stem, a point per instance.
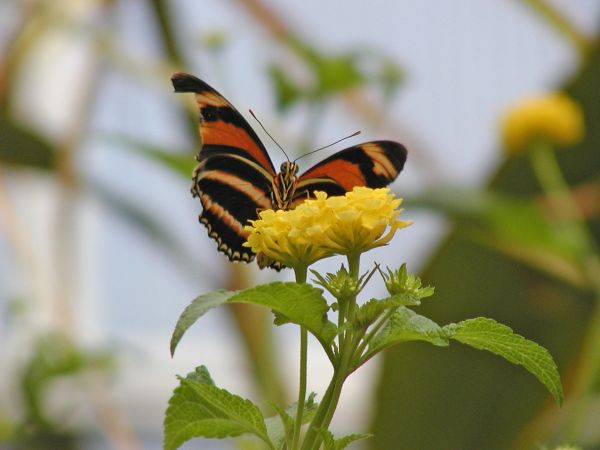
(354, 265)
(300, 272)
(301, 388)
(558, 191)
(347, 348)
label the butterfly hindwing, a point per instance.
(374, 164)
(234, 175)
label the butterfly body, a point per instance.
(235, 178)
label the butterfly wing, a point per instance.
(234, 175)
(374, 164)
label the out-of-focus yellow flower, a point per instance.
(554, 117)
(362, 219)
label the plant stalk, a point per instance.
(550, 176)
(330, 400)
(301, 272)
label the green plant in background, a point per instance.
(55, 358)
(351, 225)
(538, 126)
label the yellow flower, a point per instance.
(554, 117)
(287, 236)
(362, 219)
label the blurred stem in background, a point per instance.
(581, 384)
(354, 100)
(585, 370)
(251, 322)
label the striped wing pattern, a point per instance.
(234, 175)
(234, 178)
(375, 164)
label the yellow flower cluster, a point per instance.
(317, 228)
(553, 117)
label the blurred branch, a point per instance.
(563, 25)
(358, 103)
(117, 425)
(144, 223)
(33, 22)
(164, 21)
(253, 326)
(17, 239)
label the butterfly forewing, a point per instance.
(234, 175)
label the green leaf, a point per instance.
(511, 225)
(286, 91)
(281, 427)
(199, 409)
(330, 443)
(301, 304)
(374, 308)
(406, 325)
(20, 146)
(487, 334)
(195, 310)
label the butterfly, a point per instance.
(235, 178)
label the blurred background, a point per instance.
(101, 249)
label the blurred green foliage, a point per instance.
(333, 74)
(459, 399)
(55, 358)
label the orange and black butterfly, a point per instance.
(235, 178)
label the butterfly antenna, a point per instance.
(356, 133)
(268, 134)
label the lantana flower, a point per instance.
(362, 219)
(553, 117)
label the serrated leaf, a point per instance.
(301, 304)
(195, 310)
(201, 375)
(374, 308)
(199, 409)
(331, 443)
(406, 325)
(487, 334)
(281, 427)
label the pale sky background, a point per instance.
(465, 61)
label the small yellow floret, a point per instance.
(362, 219)
(553, 117)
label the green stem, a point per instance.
(550, 176)
(558, 191)
(587, 373)
(329, 403)
(301, 389)
(363, 358)
(348, 344)
(301, 272)
(354, 265)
